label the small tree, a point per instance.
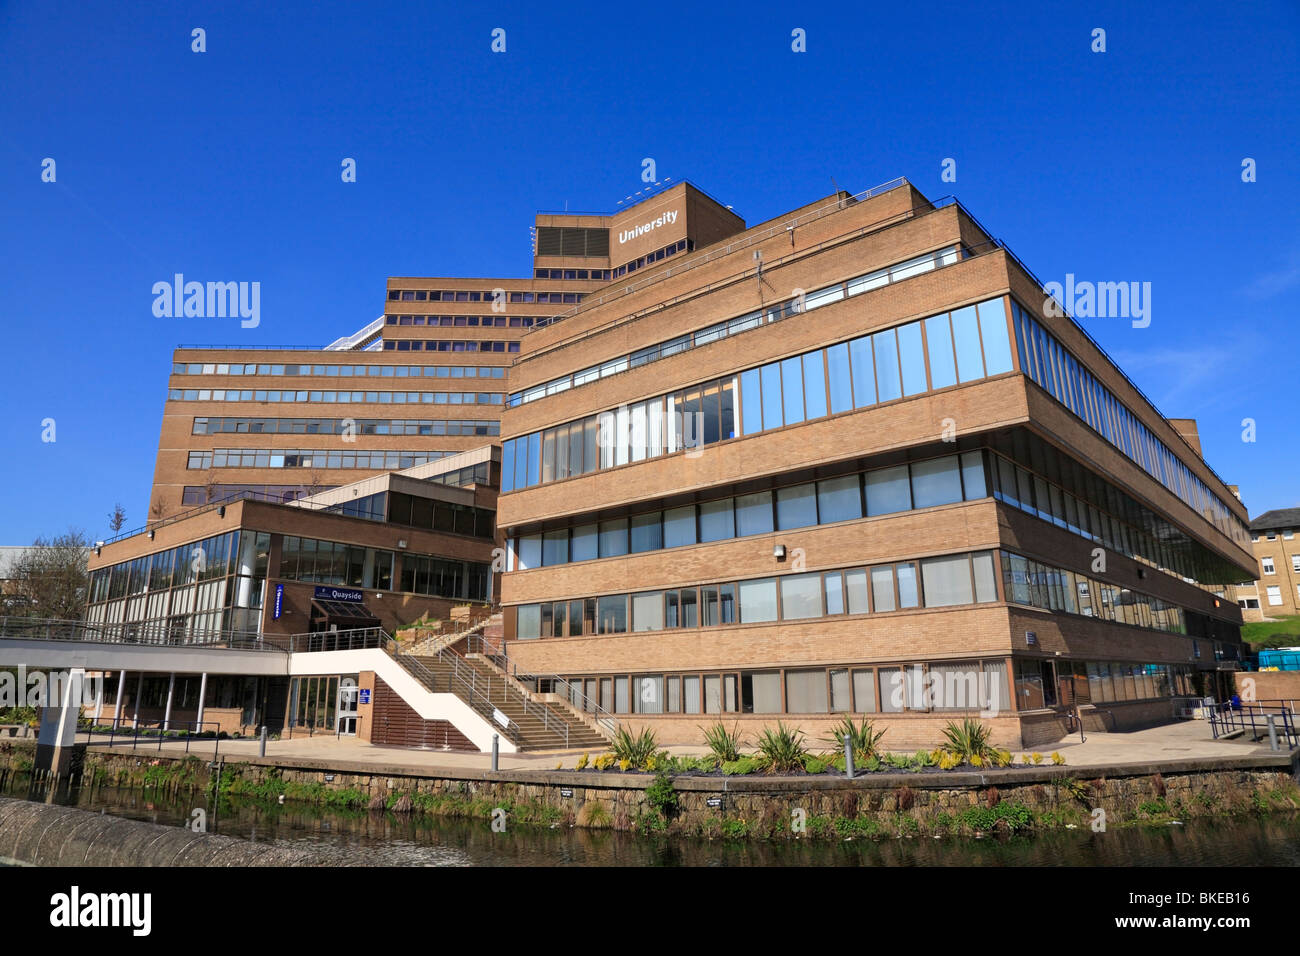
(50, 577)
(116, 518)
(157, 510)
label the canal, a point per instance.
(382, 838)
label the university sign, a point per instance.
(627, 235)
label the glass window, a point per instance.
(935, 482)
(841, 693)
(814, 385)
(751, 403)
(839, 499)
(647, 532)
(855, 591)
(888, 490)
(938, 340)
(986, 588)
(754, 514)
(801, 596)
(528, 624)
(530, 552)
(772, 396)
(648, 611)
(912, 356)
(833, 587)
(583, 547)
(882, 588)
(841, 380)
(864, 692)
(891, 690)
(864, 374)
(792, 390)
(947, 581)
(805, 692)
(555, 547)
(993, 328)
(796, 507)
(966, 336)
(760, 692)
(716, 523)
(972, 475)
(612, 614)
(758, 600)
(613, 538)
(679, 526)
(889, 384)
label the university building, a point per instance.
(842, 462)
(846, 462)
(1274, 590)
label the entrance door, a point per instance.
(347, 711)
(1049, 683)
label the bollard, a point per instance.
(261, 748)
(1272, 734)
(848, 757)
(496, 751)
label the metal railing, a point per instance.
(1253, 719)
(774, 230)
(354, 639)
(161, 635)
(168, 731)
(579, 700)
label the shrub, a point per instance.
(814, 764)
(624, 764)
(1058, 759)
(582, 762)
(1016, 816)
(781, 750)
(969, 739)
(864, 738)
(723, 744)
(1037, 758)
(636, 750)
(603, 762)
(662, 795)
(745, 765)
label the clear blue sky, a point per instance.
(1120, 166)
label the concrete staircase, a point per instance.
(534, 725)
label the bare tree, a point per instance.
(117, 518)
(50, 578)
(157, 510)
(211, 481)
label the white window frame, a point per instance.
(1274, 596)
(1266, 564)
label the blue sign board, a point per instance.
(339, 594)
(365, 695)
(279, 601)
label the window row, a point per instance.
(479, 474)
(751, 320)
(461, 295)
(205, 560)
(306, 458)
(370, 398)
(650, 258)
(469, 321)
(1064, 377)
(892, 689)
(443, 516)
(331, 426)
(459, 345)
(207, 494)
(440, 577)
(344, 371)
(1030, 582)
(875, 368)
(931, 582)
(332, 562)
(922, 484)
(600, 275)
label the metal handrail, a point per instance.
(502, 660)
(39, 629)
(115, 731)
(1253, 717)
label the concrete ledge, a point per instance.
(46, 835)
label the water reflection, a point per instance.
(388, 839)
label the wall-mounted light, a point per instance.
(401, 542)
(221, 511)
(151, 534)
(778, 552)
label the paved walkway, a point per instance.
(1188, 739)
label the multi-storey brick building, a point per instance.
(1275, 591)
(847, 461)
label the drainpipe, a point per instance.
(167, 714)
(203, 693)
(117, 708)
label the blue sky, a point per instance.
(1115, 166)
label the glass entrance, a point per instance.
(347, 712)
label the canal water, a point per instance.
(390, 839)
